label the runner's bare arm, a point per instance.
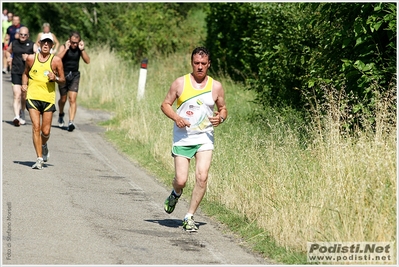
(62, 51)
(35, 47)
(58, 70)
(84, 54)
(56, 43)
(25, 75)
(6, 38)
(9, 49)
(166, 106)
(218, 96)
(38, 39)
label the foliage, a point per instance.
(360, 56)
(262, 45)
(288, 51)
(63, 17)
(151, 28)
(227, 24)
(134, 30)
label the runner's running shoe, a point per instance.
(16, 121)
(38, 165)
(71, 127)
(189, 224)
(46, 153)
(61, 120)
(170, 202)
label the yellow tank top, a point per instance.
(189, 91)
(195, 105)
(39, 87)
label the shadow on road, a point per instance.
(167, 222)
(12, 123)
(30, 163)
(173, 223)
(28, 123)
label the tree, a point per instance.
(286, 50)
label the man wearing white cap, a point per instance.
(42, 71)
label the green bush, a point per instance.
(227, 25)
(287, 52)
(133, 30)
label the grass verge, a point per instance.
(280, 181)
(254, 238)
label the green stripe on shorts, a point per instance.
(185, 151)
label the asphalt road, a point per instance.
(92, 205)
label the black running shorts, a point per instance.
(16, 79)
(72, 80)
(40, 106)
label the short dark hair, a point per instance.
(75, 34)
(201, 51)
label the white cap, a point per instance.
(46, 36)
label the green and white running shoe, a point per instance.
(170, 202)
(189, 224)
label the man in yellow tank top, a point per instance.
(196, 94)
(42, 71)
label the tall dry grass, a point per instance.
(325, 188)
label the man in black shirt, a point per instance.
(70, 53)
(20, 49)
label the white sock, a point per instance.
(176, 194)
(188, 215)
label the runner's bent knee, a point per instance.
(46, 136)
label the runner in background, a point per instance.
(46, 29)
(12, 34)
(6, 38)
(20, 49)
(4, 15)
(70, 53)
